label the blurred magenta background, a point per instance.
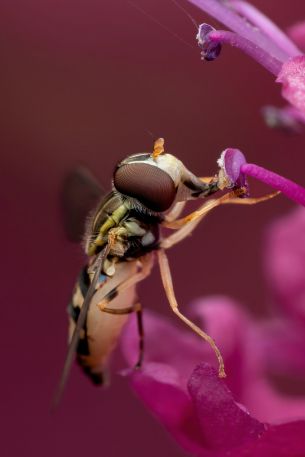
(90, 82)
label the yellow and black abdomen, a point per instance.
(101, 330)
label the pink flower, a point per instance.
(213, 417)
(256, 35)
(297, 34)
(285, 258)
(206, 415)
(249, 414)
(292, 77)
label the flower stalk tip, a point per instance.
(230, 163)
(257, 36)
(212, 40)
(209, 50)
(234, 169)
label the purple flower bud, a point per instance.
(209, 50)
(234, 169)
(230, 163)
(256, 35)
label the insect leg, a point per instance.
(175, 211)
(137, 307)
(187, 224)
(179, 235)
(252, 200)
(169, 290)
(139, 311)
(192, 220)
(201, 211)
(146, 266)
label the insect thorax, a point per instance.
(136, 228)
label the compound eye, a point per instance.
(153, 187)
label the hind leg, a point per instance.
(170, 294)
(145, 269)
(137, 308)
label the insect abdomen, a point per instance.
(102, 330)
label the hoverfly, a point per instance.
(122, 238)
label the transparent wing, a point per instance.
(79, 325)
(80, 193)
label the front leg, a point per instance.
(177, 209)
(187, 224)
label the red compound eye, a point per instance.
(153, 187)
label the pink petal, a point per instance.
(204, 422)
(210, 421)
(223, 423)
(292, 76)
(230, 327)
(277, 392)
(169, 341)
(275, 371)
(166, 342)
(286, 440)
(297, 33)
(283, 342)
(285, 262)
(268, 405)
(158, 387)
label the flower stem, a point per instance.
(257, 18)
(227, 16)
(272, 64)
(287, 187)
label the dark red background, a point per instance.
(86, 81)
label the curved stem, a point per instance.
(257, 18)
(233, 21)
(272, 64)
(286, 186)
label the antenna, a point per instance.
(164, 27)
(178, 5)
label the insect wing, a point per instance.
(80, 193)
(79, 325)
